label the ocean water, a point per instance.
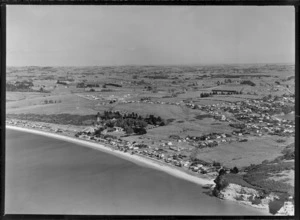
(49, 176)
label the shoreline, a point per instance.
(139, 160)
(132, 158)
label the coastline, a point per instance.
(132, 158)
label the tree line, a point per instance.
(17, 86)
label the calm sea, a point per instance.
(49, 176)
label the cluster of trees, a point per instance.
(111, 84)
(110, 115)
(216, 164)
(226, 92)
(141, 145)
(288, 95)
(61, 82)
(174, 136)
(107, 90)
(228, 81)
(50, 101)
(151, 119)
(19, 86)
(234, 170)
(137, 130)
(43, 90)
(212, 144)
(204, 136)
(97, 132)
(131, 123)
(202, 95)
(221, 182)
(145, 99)
(248, 82)
(148, 88)
(80, 85)
(90, 85)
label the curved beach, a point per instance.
(133, 158)
(49, 173)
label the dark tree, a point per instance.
(98, 131)
(216, 164)
(140, 131)
(234, 170)
(222, 172)
(128, 130)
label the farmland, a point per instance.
(233, 115)
(168, 90)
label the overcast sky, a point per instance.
(148, 35)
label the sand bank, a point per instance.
(133, 158)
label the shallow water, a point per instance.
(50, 176)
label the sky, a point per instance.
(45, 35)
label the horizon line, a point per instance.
(123, 65)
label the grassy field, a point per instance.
(242, 154)
(262, 175)
(165, 84)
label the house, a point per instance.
(119, 129)
(196, 167)
(58, 130)
(186, 164)
(162, 156)
(88, 130)
(80, 85)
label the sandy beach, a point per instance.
(46, 175)
(133, 158)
